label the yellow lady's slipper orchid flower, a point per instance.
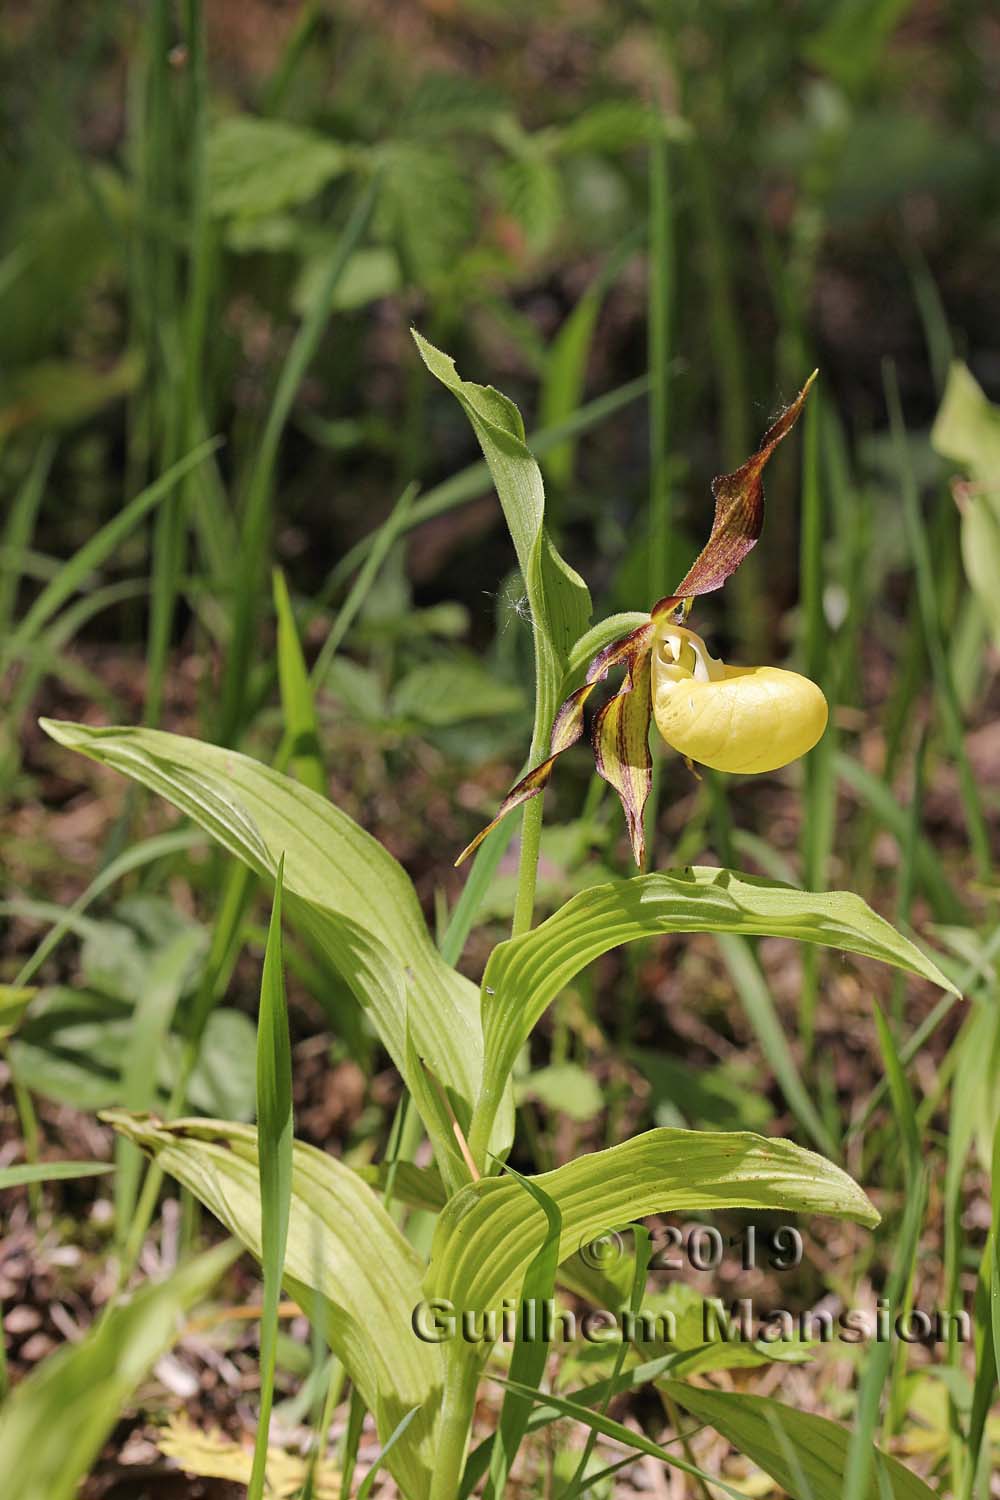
(737, 719)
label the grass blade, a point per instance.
(475, 481)
(365, 1487)
(757, 1002)
(19, 529)
(930, 614)
(53, 1425)
(933, 878)
(987, 1318)
(661, 278)
(643, 1250)
(161, 846)
(391, 529)
(566, 365)
(154, 1012)
(50, 1171)
(100, 546)
(861, 1450)
(274, 1143)
(618, 1432)
(528, 1359)
(298, 706)
(257, 510)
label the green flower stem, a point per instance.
(481, 1127)
(455, 1423)
(527, 874)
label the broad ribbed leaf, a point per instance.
(806, 1454)
(53, 1425)
(490, 1231)
(524, 975)
(341, 887)
(346, 1263)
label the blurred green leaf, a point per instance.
(452, 691)
(14, 1001)
(566, 367)
(369, 275)
(425, 208)
(51, 1171)
(72, 1046)
(257, 167)
(116, 954)
(853, 36)
(357, 688)
(53, 1425)
(60, 392)
(967, 431)
(806, 1454)
(222, 1082)
(564, 1089)
(443, 103)
(613, 125)
(154, 1007)
(967, 426)
(722, 1096)
(531, 191)
(68, 243)
(685, 1308)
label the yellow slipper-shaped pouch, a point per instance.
(743, 720)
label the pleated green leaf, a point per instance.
(490, 1231)
(346, 1264)
(806, 1454)
(524, 975)
(342, 889)
(54, 1424)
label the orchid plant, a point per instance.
(501, 1239)
(738, 719)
